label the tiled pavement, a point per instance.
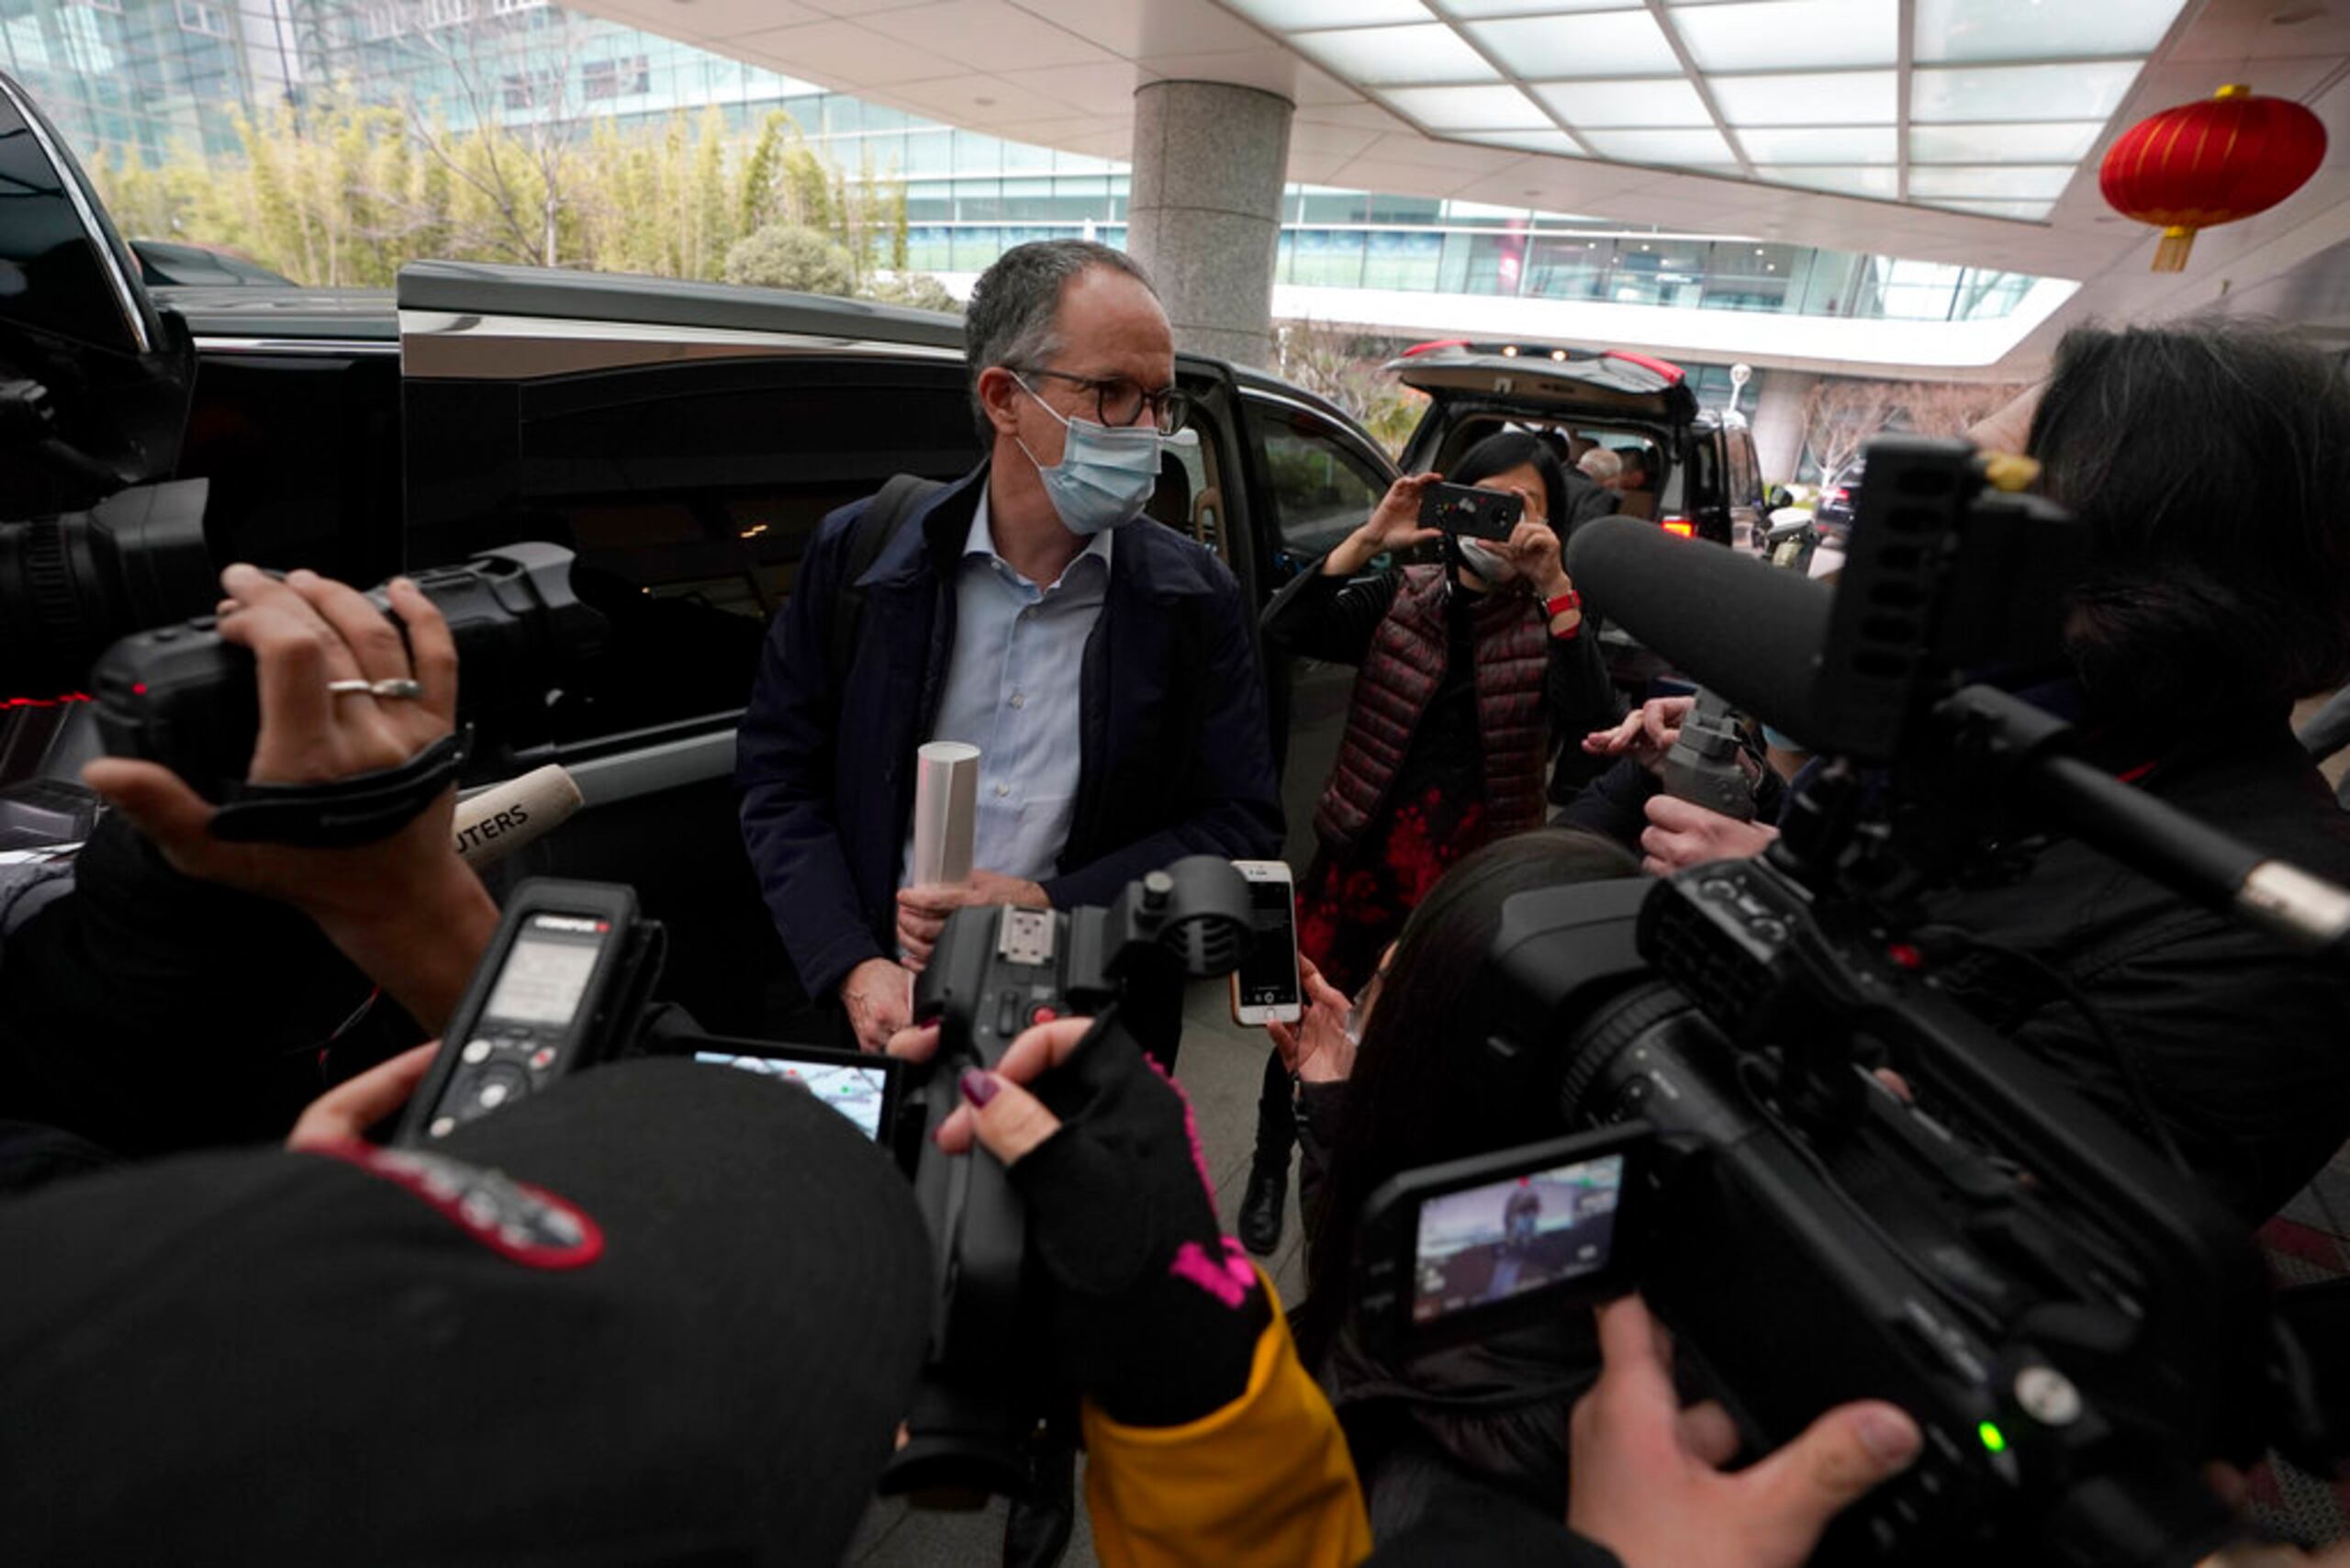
(1219, 1067)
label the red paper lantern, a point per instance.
(2207, 164)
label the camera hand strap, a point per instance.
(341, 812)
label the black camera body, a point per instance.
(181, 696)
(1466, 510)
(994, 973)
(2076, 1327)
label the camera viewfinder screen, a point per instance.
(857, 1092)
(1269, 975)
(544, 977)
(1490, 1243)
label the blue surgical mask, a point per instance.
(1106, 473)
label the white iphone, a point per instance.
(1265, 988)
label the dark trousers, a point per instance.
(1276, 1116)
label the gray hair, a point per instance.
(1601, 464)
(1013, 316)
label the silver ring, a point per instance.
(400, 688)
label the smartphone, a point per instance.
(1265, 988)
(1457, 1252)
(861, 1087)
(1465, 508)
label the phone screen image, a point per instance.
(1490, 1243)
(857, 1092)
(1269, 975)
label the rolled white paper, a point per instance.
(946, 807)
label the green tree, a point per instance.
(919, 290)
(786, 255)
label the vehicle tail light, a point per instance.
(1682, 526)
(1843, 493)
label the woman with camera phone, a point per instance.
(1468, 666)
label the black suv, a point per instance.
(1691, 470)
(683, 438)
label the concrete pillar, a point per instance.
(1210, 159)
(1777, 422)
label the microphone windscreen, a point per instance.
(496, 822)
(1733, 625)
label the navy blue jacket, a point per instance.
(1176, 758)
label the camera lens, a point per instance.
(71, 585)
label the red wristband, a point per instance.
(1568, 601)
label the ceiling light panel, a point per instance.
(1675, 147)
(1790, 35)
(1468, 109)
(1952, 31)
(1396, 56)
(2024, 92)
(1860, 182)
(1556, 141)
(2019, 182)
(1826, 98)
(1821, 144)
(1648, 103)
(2064, 142)
(1603, 43)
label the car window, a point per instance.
(689, 493)
(1323, 488)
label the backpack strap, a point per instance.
(874, 527)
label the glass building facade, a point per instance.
(148, 77)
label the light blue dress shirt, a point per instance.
(1013, 691)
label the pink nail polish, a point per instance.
(977, 1086)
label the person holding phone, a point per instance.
(1470, 665)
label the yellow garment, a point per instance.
(1265, 1479)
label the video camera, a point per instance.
(2076, 1325)
(181, 696)
(994, 973)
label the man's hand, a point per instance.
(343, 1114)
(405, 909)
(1644, 1478)
(1318, 1047)
(1646, 733)
(1682, 833)
(1395, 524)
(880, 996)
(923, 909)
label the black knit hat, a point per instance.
(686, 1335)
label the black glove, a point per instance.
(1156, 1314)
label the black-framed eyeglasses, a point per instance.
(1118, 401)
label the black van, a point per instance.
(683, 438)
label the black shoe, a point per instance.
(1260, 1210)
(1037, 1529)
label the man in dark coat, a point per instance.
(1105, 672)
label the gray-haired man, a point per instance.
(1105, 672)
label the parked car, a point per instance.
(1839, 498)
(684, 440)
(164, 262)
(1696, 474)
